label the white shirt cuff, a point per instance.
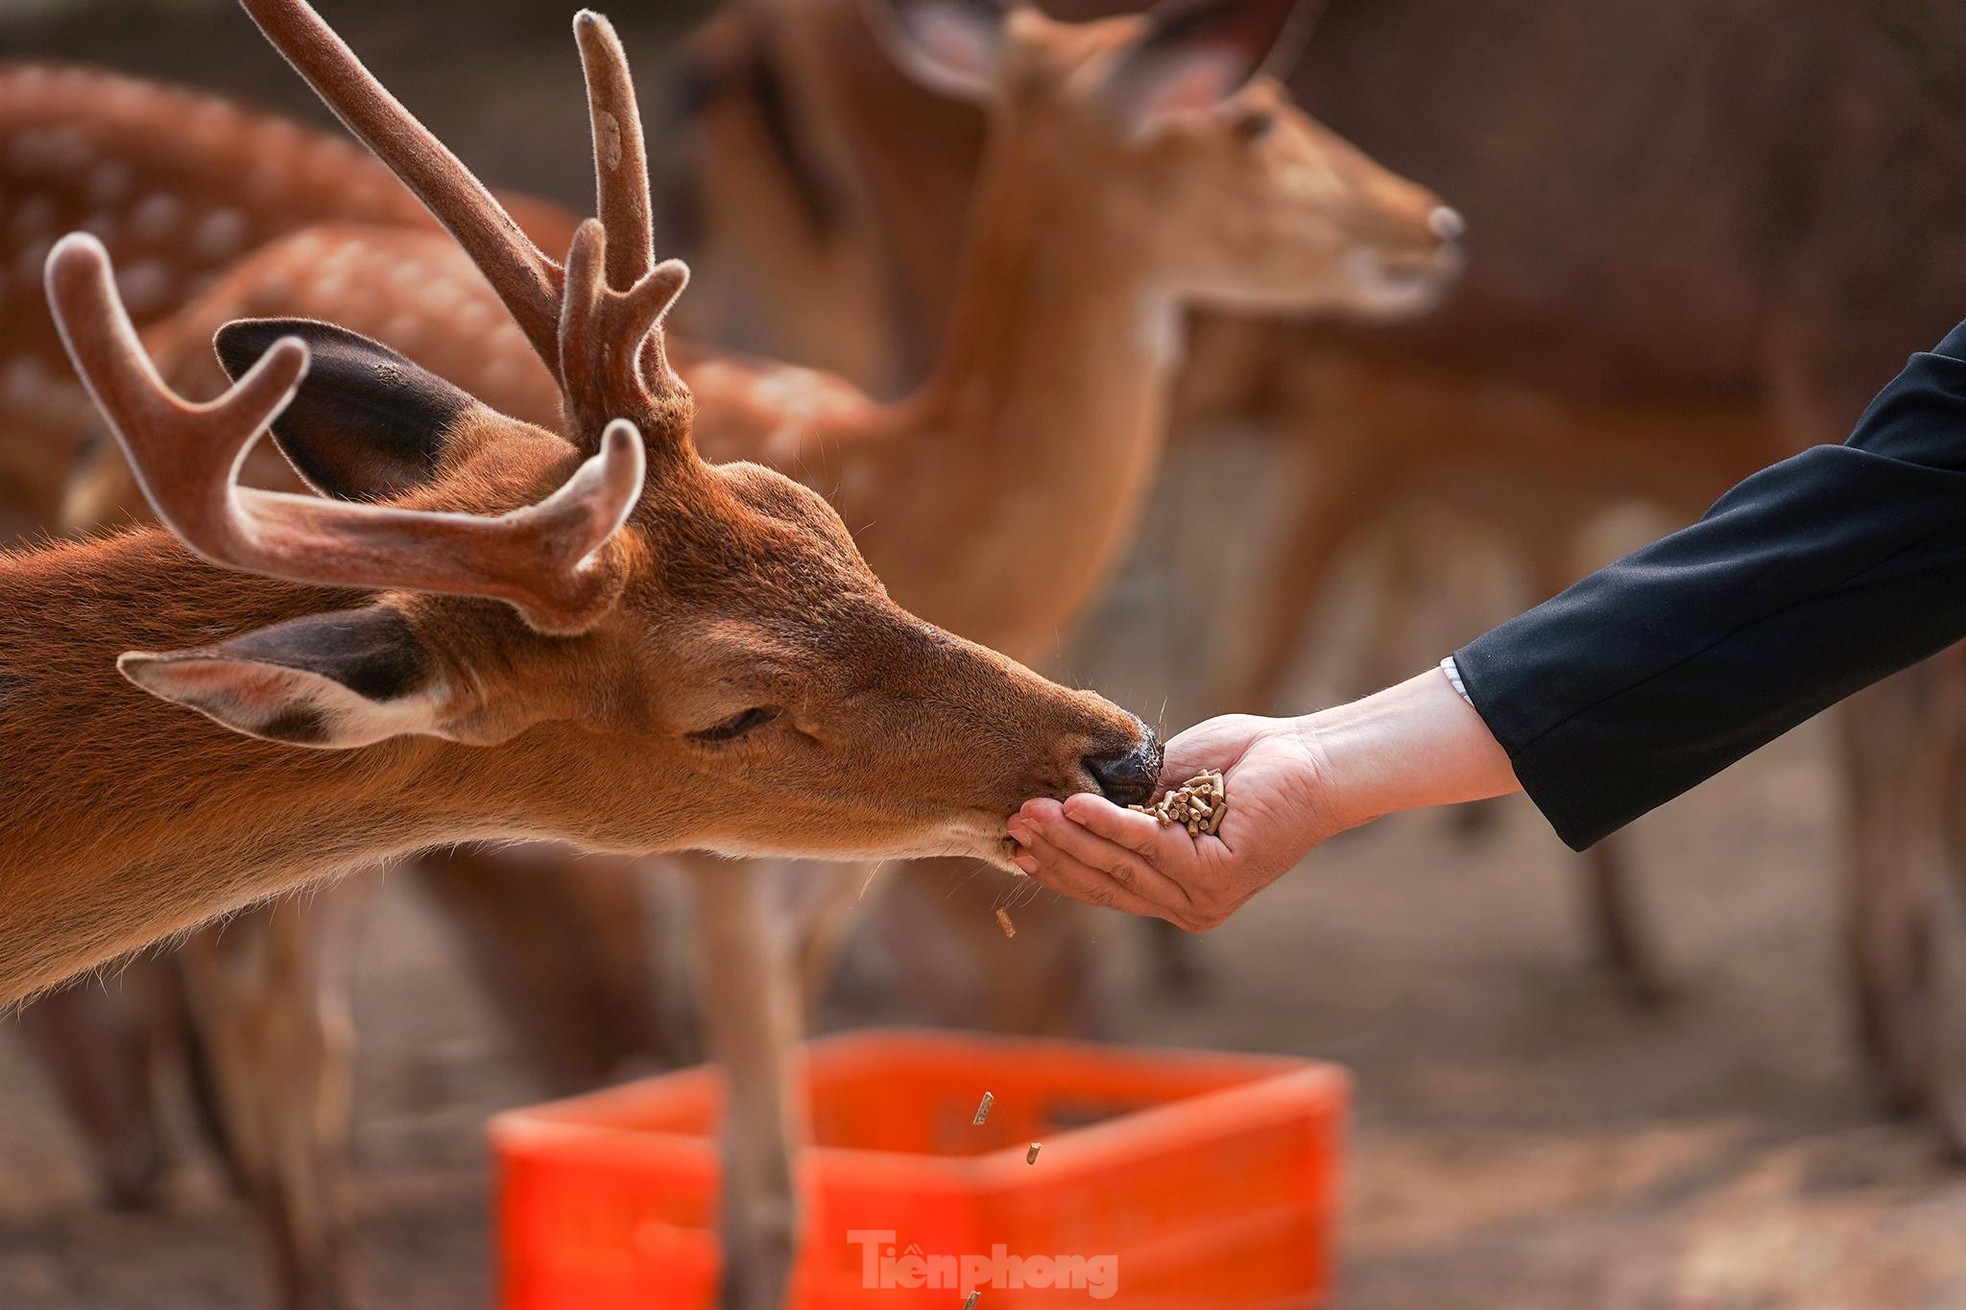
(1453, 672)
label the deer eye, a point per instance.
(737, 724)
(1254, 125)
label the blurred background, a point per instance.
(1677, 1112)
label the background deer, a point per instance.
(1686, 306)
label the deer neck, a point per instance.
(128, 818)
(1038, 433)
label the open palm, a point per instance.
(1094, 851)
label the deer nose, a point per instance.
(1129, 776)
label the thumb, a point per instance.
(1216, 744)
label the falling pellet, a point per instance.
(1003, 922)
(1031, 1156)
(983, 1110)
(974, 1297)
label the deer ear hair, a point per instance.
(1194, 54)
(335, 680)
(366, 423)
(949, 46)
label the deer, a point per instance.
(255, 1011)
(180, 185)
(1362, 240)
(886, 171)
(478, 650)
(1685, 308)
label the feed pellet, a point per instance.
(1199, 805)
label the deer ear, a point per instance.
(366, 424)
(1197, 53)
(347, 678)
(950, 46)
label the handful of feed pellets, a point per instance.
(1199, 805)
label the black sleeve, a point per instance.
(1805, 583)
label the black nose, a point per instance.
(1128, 776)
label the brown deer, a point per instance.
(1295, 218)
(180, 185)
(1682, 275)
(529, 635)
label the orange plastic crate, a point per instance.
(1169, 1180)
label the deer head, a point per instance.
(643, 632)
(1206, 170)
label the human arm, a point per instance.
(1805, 583)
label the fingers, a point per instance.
(1140, 833)
(1130, 876)
(1216, 743)
(1070, 877)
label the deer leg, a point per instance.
(561, 943)
(94, 1042)
(1879, 729)
(1407, 564)
(1949, 997)
(750, 1002)
(1041, 982)
(1625, 944)
(941, 924)
(1341, 496)
(941, 980)
(1053, 995)
(1178, 970)
(268, 993)
(823, 915)
(1943, 771)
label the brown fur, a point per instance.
(750, 592)
(179, 186)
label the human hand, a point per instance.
(1291, 784)
(1276, 779)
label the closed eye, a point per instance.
(738, 724)
(1254, 125)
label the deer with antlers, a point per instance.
(1293, 218)
(532, 635)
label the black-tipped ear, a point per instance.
(950, 46)
(1197, 53)
(366, 423)
(336, 680)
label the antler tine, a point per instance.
(171, 442)
(612, 357)
(621, 174)
(546, 560)
(526, 279)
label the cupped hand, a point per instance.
(1278, 786)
